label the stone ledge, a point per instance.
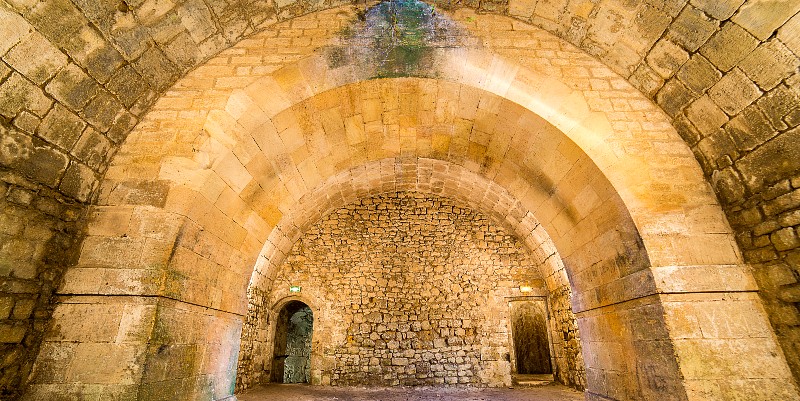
(666, 280)
(705, 278)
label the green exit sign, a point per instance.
(295, 288)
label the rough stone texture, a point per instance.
(37, 230)
(70, 92)
(748, 164)
(241, 169)
(135, 348)
(399, 276)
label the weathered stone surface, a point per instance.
(698, 74)
(674, 97)
(717, 151)
(93, 148)
(122, 125)
(776, 206)
(782, 107)
(5, 70)
(197, 19)
(57, 20)
(14, 146)
(686, 130)
(784, 239)
(774, 160)
(769, 64)
(17, 93)
(734, 92)
(128, 85)
(12, 333)
(13, 29)
(763, 17)
(750, 129)
(790, 294)
(666, 57)
(728, 46)
(43, 163)
(706, 116)
(789, 34)
(183, 51)
(79, 182)
(718, 9)
(646, 80)
(34, 237)
(91, 51)
(27, 122)
(72, 87)
(61, 127)
(36, 58)
(425, 256)
(156, 68)
(728, 185)
(691, 28)
(102, 110)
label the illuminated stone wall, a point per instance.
(192, 159)
(414, 289)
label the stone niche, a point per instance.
(406, 289)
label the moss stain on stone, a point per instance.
(395, 38)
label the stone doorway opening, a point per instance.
(532, 353)
(292, 354)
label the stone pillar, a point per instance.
(681, 333)
(721, 334)
(148, 313)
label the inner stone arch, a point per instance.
(469, 188)
(416, 289)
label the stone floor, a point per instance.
(304, 392)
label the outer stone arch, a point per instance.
(211, 198)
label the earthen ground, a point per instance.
(304, 392)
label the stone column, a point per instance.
(681, 333)
(152, 311)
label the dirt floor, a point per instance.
(304, 392)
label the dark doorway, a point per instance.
(529, 330)
(292, 358)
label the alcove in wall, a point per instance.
(532, 352)
(292, 353)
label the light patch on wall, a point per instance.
(525, 288)
(295, 288)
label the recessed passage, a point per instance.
(292, 362)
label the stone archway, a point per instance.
(529, 333)
(590, 193)
(291, 361)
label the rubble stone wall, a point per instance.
(415, 290)
(37, 230)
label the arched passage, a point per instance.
(294, 328)
(529, 332)
(630, 258)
